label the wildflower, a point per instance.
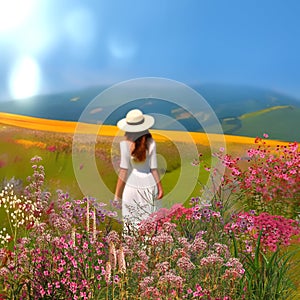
(185, 264)
(139, 267)
(112, 255)
(113, 236)
(195, 162)
(221, 249)
(4, 237)
(171, 279)
(265, 135)
(194, 200)
(73, 287)
(73, 235)
(121, 260)
(199, 291)
(116, 279)
(162, 267)
(162, 239)
(184, 242)
(231, 274)
(94, 225)
(143, 256)
(211, 259)
(116, 204)
(108, 272)
(36, 159)
(87, 215)
(198, 245)
(168, 227)
(151, 293)
(146, 282)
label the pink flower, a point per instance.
(198, 292)
(73, 287)
(51, 148)
(265, 135)
(42, 292)
(185, 264)
(74, 263)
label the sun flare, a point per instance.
(14, 13)
(24, 78)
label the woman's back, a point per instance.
(139, 172)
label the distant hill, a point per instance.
(235, 100)
(280, 122)
(233, 106)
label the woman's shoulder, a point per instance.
(151, 141)
(125, 145)
(151, 144)
(125, 142)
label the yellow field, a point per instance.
(106, 130)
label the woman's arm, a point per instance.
(158, 183)
(120, 183)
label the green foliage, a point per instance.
(268, 274)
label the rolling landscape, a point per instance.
(241, 110)
(24, 136)
(45, 126)
(220, 79)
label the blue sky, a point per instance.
(48, 46)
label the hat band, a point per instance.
(135, 123)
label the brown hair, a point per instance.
(141, 141)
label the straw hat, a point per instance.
(136, 121)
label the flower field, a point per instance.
(240, 243)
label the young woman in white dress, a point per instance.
(138, 186)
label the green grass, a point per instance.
(281, 123)
(59, 174)
(263, 111)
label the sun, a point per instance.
(13, 13)
(24, 78)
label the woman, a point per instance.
(138, 184)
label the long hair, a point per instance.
(141, 143)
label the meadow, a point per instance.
(57, 243)
(23, 137)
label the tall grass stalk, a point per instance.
(267, 273)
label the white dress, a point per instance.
(140, 191)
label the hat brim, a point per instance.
(148, 123)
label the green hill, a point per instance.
(280, 122)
